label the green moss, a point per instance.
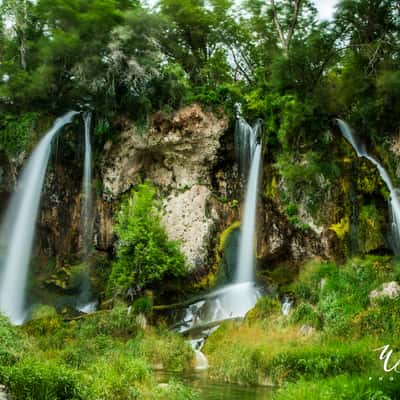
(304, 313)
(225, 235)
(342, 228)
(215, 273)
(265, 308)
(370, 229)
(271, 189)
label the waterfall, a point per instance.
(232, 301)
(246, 252)
(83, 302)
(394, 203)
(245, 143)
(87, 205)
(286, 305)
(18, 228)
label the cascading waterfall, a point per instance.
(18, 228)
(83, 302)
(287, 305)
(246, 253)
(233, 300)
(394, 202)
(87, 205)
(245, 143)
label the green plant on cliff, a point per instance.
(145, 255)
(16, 132)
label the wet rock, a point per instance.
(306, 330)
(3, 393)
(389, 290)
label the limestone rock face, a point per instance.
(281, 241)
(177, 152)
(186, 220)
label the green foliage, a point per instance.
(173, 391)
(143, 305)
(144, 254)
(12, 343)
(320, 361)
(117, 376)
(17, 132)
(303, 313)
(116, 322)
(264, 309)
(173, 353)
(32, 378)
(370, 229)
(343, 387)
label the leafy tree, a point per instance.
(192, 32)
(145, 255)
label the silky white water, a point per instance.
(245, 142)
(233, 300)
(394, 202)
(18, 229)
(87, 205)
(246, 253)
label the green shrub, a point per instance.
(343, 387)
(12, 342)
(265, 308)
(370, 229)
(305, 314)
(116, 322)
(320, 360)
(380, 320)
(17, 132)
(143, 305)
(307, 287)
(116, 377)
(44, 320)
(32, 379)
(172, 353)
(173, 391)
(145, 254)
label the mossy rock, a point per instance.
(265, 308)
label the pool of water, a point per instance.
(210, 390)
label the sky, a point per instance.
(326, 8)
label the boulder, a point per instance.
(389, 290)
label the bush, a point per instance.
(16, 132)
(318, 361)
(32, 378)
(12, 343)
(116, 377)
(116, 322)
(145, 255)
(343, 387)
(172, 353)
(173, 391)
(305, 314)
(265, 308)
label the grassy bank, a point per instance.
(107, 355)
(325, 348)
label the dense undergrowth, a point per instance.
(326, 347)
(110, 354)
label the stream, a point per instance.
(212, 390)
